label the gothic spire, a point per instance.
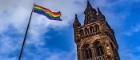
(100, 15)
(76, 22)
(89, 6)
(90, 13)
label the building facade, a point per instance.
(95, 39)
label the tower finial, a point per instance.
(76, 22)
(100, 15)
(90, 13)
(98, 10)
(88, 4)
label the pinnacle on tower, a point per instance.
(90, 13)
(100, 15)
(76, 22)
(88, 4)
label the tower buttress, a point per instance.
(76, 26)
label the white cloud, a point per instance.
(138, 48)
(116, 18)
(62, 55)
(47, 54)
(130, 54)
(6, 58)
(133, 29)
(16, 13)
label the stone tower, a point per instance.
(95, 39)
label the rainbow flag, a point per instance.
(46, 12)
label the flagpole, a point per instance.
(25, 37)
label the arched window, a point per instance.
(91, 29)
(87, 52)
(96, 28)
(98, 48)
(86, 31)
(99, 51)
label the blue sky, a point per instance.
(53, 40)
